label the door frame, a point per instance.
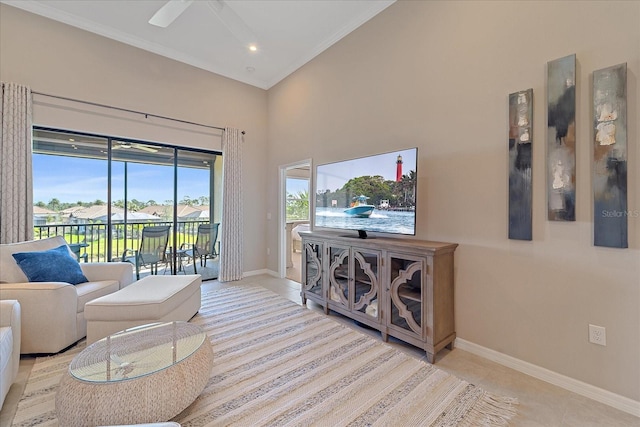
(282, 210)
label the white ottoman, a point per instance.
(150, 299)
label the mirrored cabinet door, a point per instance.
(406, 295)
(366, 282)
(312, 268)
(339, 274)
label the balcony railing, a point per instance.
(89, 240)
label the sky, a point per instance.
(71, 179)
(333, 176)
(296, 185)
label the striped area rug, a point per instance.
(279, 364)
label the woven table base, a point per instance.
(156, 397)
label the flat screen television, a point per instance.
(375, 193)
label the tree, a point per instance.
(298, 205)
(54, 205)
(186, 200)
(373, 187)
(135, 205)
(408, 188)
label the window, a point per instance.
(99, 192)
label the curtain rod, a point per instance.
(95, 104)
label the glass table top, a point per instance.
(136, 352)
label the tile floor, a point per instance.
(541, 404)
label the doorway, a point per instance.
(295, 216)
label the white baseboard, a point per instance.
(273, 273)
(614, 400)
(257, 272)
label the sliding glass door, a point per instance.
(198, 194)
(100, 193)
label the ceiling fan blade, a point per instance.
(145, 148)
(233, 22)
(169, 12)
(129, 145)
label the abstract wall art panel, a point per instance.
(610, 157)
(520, 156)
(561, 139)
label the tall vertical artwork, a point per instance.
(520, 156)
(561, 139)
(610, 157)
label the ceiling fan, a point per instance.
(126, 145)
(172, 9)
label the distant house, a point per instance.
(91, 213)
(43, 216)
(198, 214)
(98, 213)
(185, 212)
(134, 217)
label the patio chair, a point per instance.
(205, 245)
(153, 249)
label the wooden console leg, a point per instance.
(431, 357)
(449, 346)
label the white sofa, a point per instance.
(9, 345)
(53, 312)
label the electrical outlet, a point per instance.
(597, 335)
(268, 251)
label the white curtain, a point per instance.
(16, 181)
(231, 240)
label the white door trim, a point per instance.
(282, 212)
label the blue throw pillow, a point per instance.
(54, 265)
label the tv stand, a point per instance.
(401, 287)
(359, 236)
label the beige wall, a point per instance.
(437, 75)
(58, 59)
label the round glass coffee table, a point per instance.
(145, 374)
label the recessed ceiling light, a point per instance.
(253, 48)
